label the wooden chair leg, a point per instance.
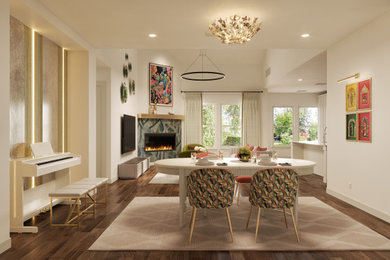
(295, 226)
(235, 189)
(257, 224)
(249, 217)
(238, 193)
(285, 218)
(229, 223)
(78, 213)
(192, 216)
(193, 223)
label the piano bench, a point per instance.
(84, 189)
(98, 182)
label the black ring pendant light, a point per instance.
(203, 75)
(212, 75)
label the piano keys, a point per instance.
(27, 203)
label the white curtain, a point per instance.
(251, 118)
(193, 118)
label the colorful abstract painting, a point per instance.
(351, 97)
(365, 94)
(365, 131)
(160, 84)
(351, 127)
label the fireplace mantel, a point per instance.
(161, 116)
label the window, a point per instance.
(282, 125)
(221, 125)
(208, 117)
(308, 124)
(231, 125)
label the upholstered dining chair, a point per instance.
(274, 188)
(239, 181)
(212, 189)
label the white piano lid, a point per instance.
(41, 149)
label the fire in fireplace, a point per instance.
(160, 142)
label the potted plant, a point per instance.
(244, 153)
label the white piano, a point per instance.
(27, 203)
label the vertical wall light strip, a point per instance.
(33, 86)
(63, 100)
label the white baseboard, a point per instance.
(5, 245)
(364, 207)
(112, 180)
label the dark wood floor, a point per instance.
(70, 243)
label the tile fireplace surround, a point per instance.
(158, 125)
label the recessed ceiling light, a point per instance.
(300, 80)
(305, 35)
(152, 35)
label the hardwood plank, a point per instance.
(70, 243)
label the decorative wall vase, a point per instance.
(132, 89)
(125, 71)
(123, 92)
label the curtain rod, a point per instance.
(216, 91)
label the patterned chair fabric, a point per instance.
(274, 188)
(210, 188)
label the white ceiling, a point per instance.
(182, 29)
(183, 24)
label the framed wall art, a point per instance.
(351, 97)
(351, 127)
(364, 94)
(160, 84)
(365, 131)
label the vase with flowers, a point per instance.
(244, 154)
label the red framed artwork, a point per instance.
(365, 131)
(364, 97)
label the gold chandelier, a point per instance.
(235, 30)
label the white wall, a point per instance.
(78, 112)
(138, 103)
(270, 100)
(361, 165)
(114, 60)
(5, 241)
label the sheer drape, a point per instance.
(193, 119)
(251, 118)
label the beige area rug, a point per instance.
(162, 178)
(151, 223)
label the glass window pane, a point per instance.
(231, 136)
(283, 135)
(231, 115)
(308, 134)
(208, 114)
(282, 116)
(208, 136)
(308, 116)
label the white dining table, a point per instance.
(183, 167)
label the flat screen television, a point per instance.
(127, 134)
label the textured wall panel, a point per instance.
(18, 93)
(50, 80)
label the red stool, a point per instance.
(239, 181)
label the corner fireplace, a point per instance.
(159, 142)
